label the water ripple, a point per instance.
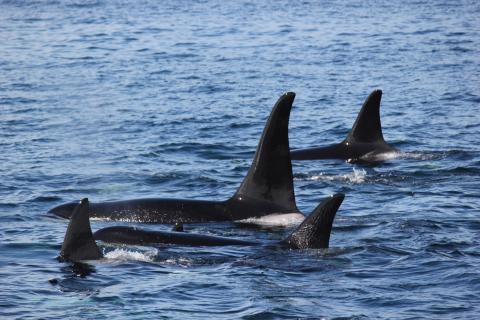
(116, 100)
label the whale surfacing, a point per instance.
(266, 189)
(79, 244)
(364, 142)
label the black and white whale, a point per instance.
(79, 243)
(267, 189)
(364, 143)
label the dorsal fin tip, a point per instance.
(338, 196)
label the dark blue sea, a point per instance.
(116, 100)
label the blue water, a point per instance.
(115, 100)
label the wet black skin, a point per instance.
(267, 188)
(356, 152)
(177, 210)
(364, 143)
(79, 243)
(135, 236)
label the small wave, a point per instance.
(45, 199)
(275, 220)
(411, 155)
(418, 156)
(381, 157)
(357, 176)
(84, 4)
(179, 261)
(435, 155)
(120, 254)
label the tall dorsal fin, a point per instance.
(270, 176)
(79, 243)
(314, 231)
(367, 126)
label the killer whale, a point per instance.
(364, 142)
(79, 242)
(266, 189)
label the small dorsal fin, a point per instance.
(270, 176)
(314, 231)
(367, 126)
(79, 243)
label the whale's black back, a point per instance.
(79, 244)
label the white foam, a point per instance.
(357, 176)
(99, 219)
(400, 155)
(120, 254)
(417, 156)
(385, 156)
(276, 220)
(183, 262)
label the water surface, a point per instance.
(114, 100)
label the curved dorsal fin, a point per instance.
(314, 231)
(367, 126)
(270, 176)
(79, 243)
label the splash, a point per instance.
(179, 261)
(405, 155)
(356, 176)
(420, 155)
(120, 254)
(381, 157)
(276, 220)
(131, 217)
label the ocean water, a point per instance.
(126, 99)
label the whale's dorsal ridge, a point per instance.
(270, 177)
(367, 126)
